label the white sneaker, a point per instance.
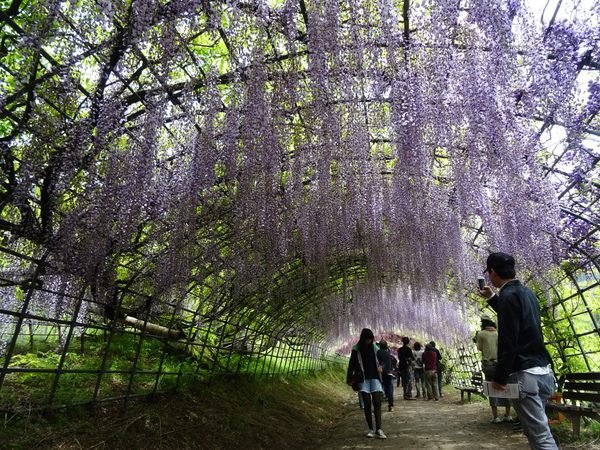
(380, 435)
(508, 419)
(371, 433)
(497, 420)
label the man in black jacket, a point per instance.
(522, 357)
(405, 359)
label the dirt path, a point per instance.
(418, 424)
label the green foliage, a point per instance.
(227, 413)
(158, 364)
(590, 430)
(570, 325)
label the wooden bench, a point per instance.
(475, 386)
(582, 390)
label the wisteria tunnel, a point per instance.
(200, 188)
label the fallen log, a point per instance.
(152, 328)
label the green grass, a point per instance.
(24, 391)
(240, 412)
(589, 437)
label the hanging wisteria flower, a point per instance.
(259, 160)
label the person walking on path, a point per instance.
(388, 364)
(522, 357)
(364, 367)
(405, 359)
(487, 343)
(418, 372)
(439, 368)
(430, 365)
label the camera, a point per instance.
(480, 283)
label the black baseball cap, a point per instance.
(499, 262)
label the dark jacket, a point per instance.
(405, 356)
(520, 339)
(355, 366)
(439, 359)
(387, 361)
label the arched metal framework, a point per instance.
(63, 343)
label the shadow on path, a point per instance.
(419, 424)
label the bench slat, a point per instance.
(477, 379)
(572, 385)
(571, 408)
(583, 396)
(468, 388)
(583, 376)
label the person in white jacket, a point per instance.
(487, 343)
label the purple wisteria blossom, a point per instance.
(212, 154)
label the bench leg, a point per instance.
(576, 419)
(462, 396)
(469, 396)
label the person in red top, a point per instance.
(430, 365)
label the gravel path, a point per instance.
(419, 424)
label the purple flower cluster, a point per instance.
(393, 309)
(192, 145)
